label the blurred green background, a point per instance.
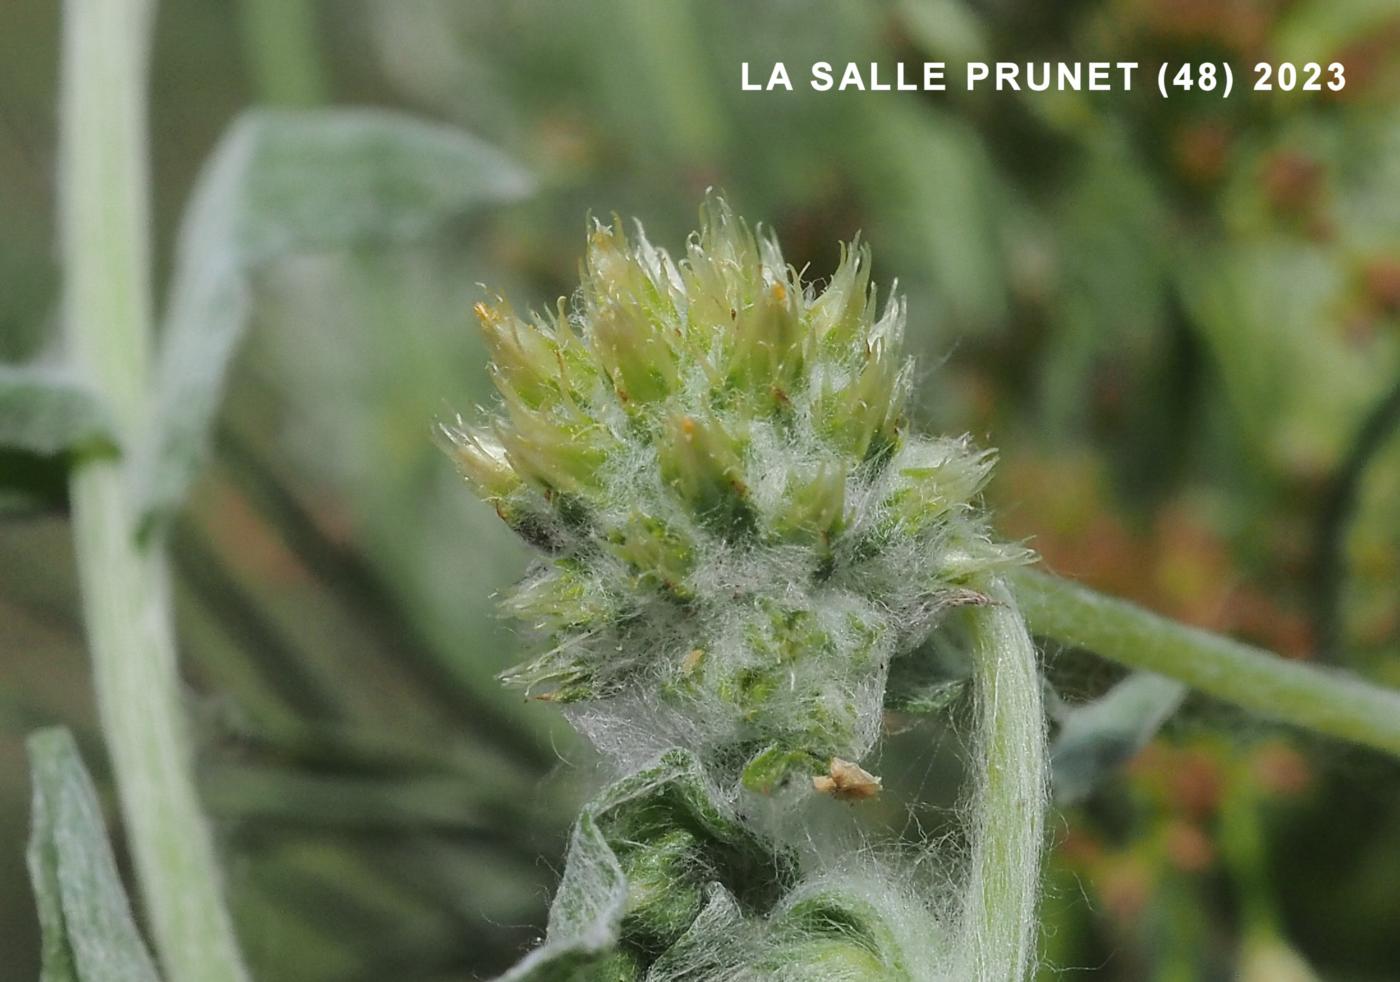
(1178, 320)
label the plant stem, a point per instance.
(1008, 815)
(104, 220)
(1326, 700)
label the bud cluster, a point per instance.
(738, 529)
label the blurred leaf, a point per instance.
(1266, 958)
(934, 192)
(1113, 278)
(1096, 738)
(1321, 29)
(44, 417)
(928, 700)
(667, 51)
(946, 29)
(45, 413)
(1266, 310)
(284, 182)
(88, 931)
(32, 484)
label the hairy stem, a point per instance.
(104, 220)
(1326, 700)
(1008, 817)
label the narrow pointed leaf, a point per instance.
(89, 934)
(1098, 737)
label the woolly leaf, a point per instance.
(44, 413)
(646, 808)
(1096, 738)
(832, 933)
(585, 919)
(282, 182)
(646, 861)
(837, 928)
(88, 931)
(676, 784)
(695, 954)
(45, 419)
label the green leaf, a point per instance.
(771, 768)
(931, 679)
(695, 952)
(284, 182)
(585, 919)
(932, 187)
(88, 931)
(1099, 736)
(834, 932)
(610, 908)
(45, 413)
(45, 419)
(948, 29)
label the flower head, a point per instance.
(738, 528)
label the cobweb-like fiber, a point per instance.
(738, 529)
(738, 533)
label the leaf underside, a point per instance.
(283, 182)
(1098, 737)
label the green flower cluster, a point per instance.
(738, 530)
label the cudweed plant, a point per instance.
(739, 533)
(741, 541)
(739, 536)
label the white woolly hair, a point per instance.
(740, 529)
(738, 533)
